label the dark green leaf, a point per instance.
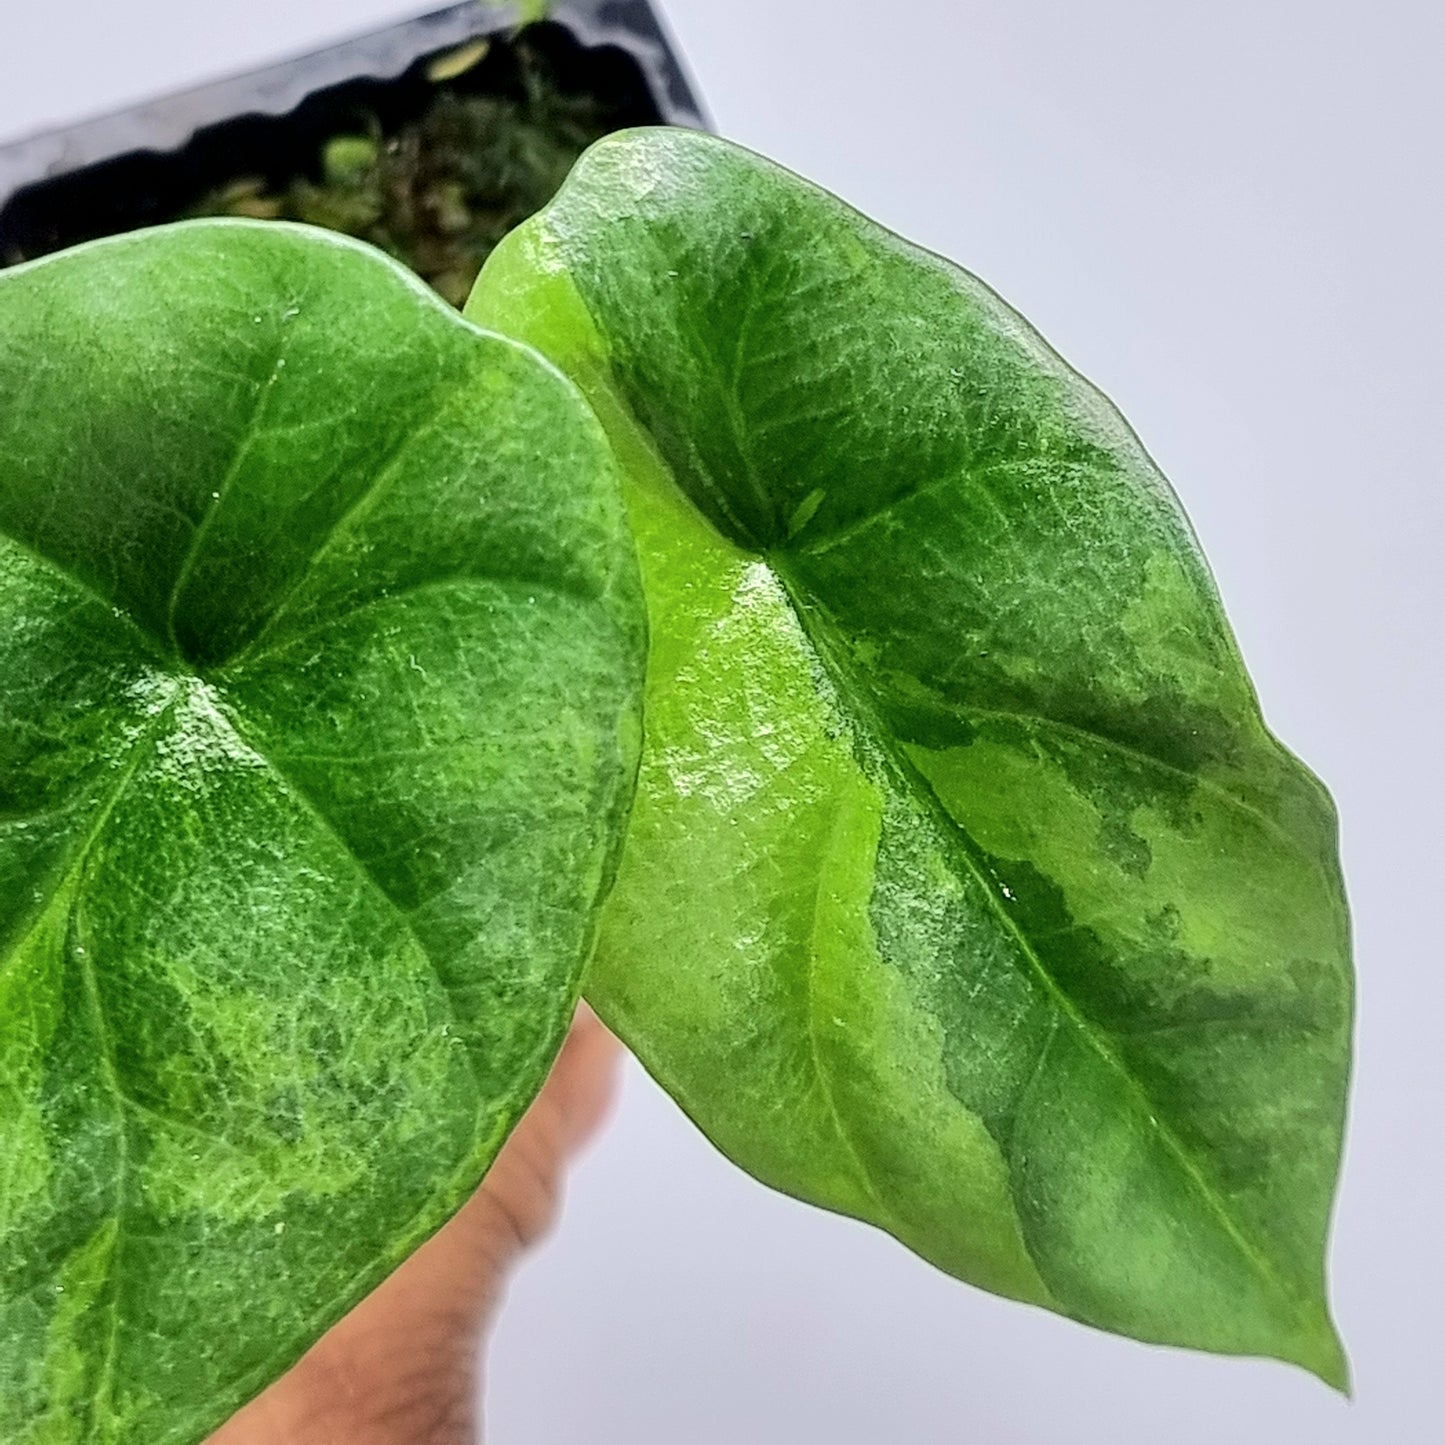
(966, 891)
(320, 646)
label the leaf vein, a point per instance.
(323, 819)
(81, 584)
(265, 391)
(105, 1039)
(810, 1016)
(457, 583)
(1038, 722)
(444, 397)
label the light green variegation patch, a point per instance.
(322, 648)
(966, 891)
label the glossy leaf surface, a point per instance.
(321, 648)
(966, 891)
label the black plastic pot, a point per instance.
(153, 162)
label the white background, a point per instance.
(1229, 214)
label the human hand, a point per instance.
(403, 1368)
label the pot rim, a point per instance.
(168, 122)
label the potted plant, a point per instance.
(739, 616)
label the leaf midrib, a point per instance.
(815, 623)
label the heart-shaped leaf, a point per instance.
(321, 648)
(966, 891)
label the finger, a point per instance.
(518, 1201)
(583, 1084)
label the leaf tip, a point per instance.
(1322, 1353)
